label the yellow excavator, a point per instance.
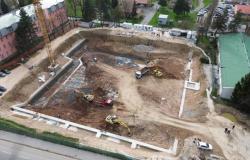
(114, 120)
(44, 30)
(83, 96)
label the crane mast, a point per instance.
(42, 23)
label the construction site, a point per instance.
(141, 93)
(122, 84)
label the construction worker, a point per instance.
(233, 127)
(225, 131)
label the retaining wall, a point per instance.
(41, 90)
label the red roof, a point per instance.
(245, 9)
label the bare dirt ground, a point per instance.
(102, 81)
(112, 76)
(195, 107)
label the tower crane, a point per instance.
(42, 23)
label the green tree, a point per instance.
(234, 25)
(162, 2)
(4, 7)
(104, 7)
(181, 7)
(88, 10)
(134, 13)
(26, 37)
(241, 94)
(114, 3)
(23, 3)
(117, 14)
(248, 29)
(219, 23)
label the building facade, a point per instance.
(56, 17)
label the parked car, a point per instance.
(5, 71)
(2, 89)
(2, 74)
(204, 145)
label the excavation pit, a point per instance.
(108, 71)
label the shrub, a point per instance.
(204, 60)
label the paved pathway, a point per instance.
(149, 13)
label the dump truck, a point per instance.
(140, 73)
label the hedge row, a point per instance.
(14, 127)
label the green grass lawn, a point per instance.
(70, 9)
(230, 117)
(134, 20)
(195, 3)
(207, 2)
(180, 21)
(210, 48)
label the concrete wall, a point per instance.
(39, 92)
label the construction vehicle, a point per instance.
(42, 23)
(105, 102)
(140, 73)
(114, 120)
(91, 99)
(157, 73)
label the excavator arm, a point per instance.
(114, 120)
(121, 123)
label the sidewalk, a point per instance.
(148, 13)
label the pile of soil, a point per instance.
(165, 74)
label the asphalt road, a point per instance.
(148, 13)
(17, 147)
